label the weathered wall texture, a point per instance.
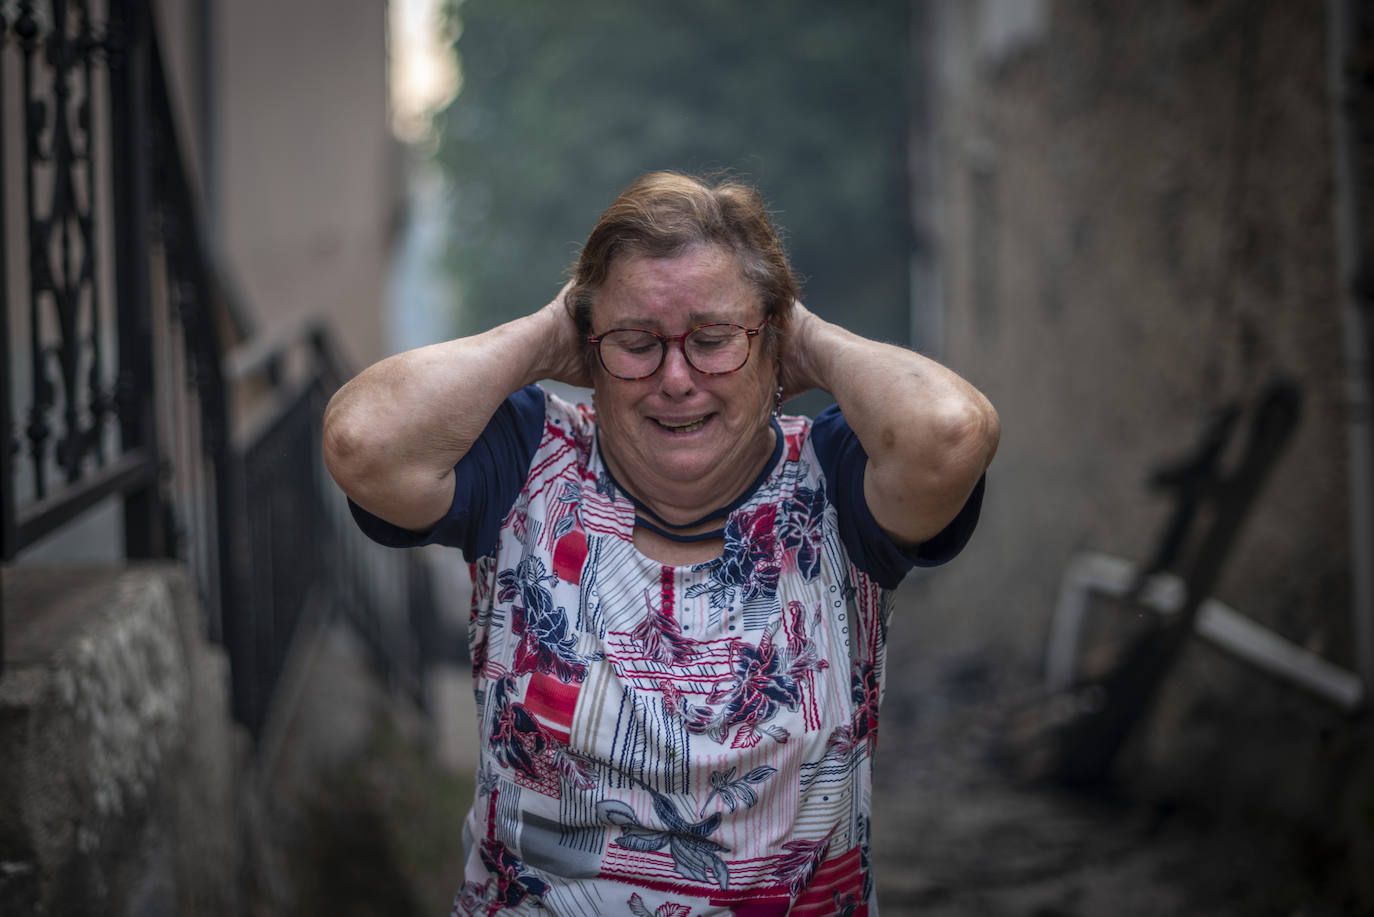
(1135, 216)
(118, 763)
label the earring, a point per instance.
(777, 402)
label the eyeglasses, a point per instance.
(716, 349)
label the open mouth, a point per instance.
(690, 426)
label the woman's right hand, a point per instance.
(564, 357)
(797, 361)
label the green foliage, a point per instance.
(564, 103)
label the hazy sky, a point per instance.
(423, 74)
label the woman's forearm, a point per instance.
(394, 432)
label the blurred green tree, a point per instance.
(562, 104)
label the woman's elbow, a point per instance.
(966, 435)
(984, 431)
(348, 451)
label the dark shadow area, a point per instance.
(381, 834)
(959, 830)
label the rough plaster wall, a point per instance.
(1136, 227)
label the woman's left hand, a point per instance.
(797, 370)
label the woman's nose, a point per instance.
(676, 378)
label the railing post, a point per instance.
(145, 530)
(193, 290)
(7, 507)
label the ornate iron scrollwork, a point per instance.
(72, 401)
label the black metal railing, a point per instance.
(62, 441)
(116, 336)
(298, 556)
(76, 399)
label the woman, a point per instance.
(680, 596)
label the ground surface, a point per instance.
(958, 834)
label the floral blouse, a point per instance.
(675, 741)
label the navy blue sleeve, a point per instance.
(843, 461)
(487, 481)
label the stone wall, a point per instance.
(119, 767)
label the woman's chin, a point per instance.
(689, 466)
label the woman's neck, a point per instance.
(675, 553)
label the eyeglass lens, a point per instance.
(717, 348)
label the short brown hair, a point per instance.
(662, 214)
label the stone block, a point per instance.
(117, 757)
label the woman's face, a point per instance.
(678, 437)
